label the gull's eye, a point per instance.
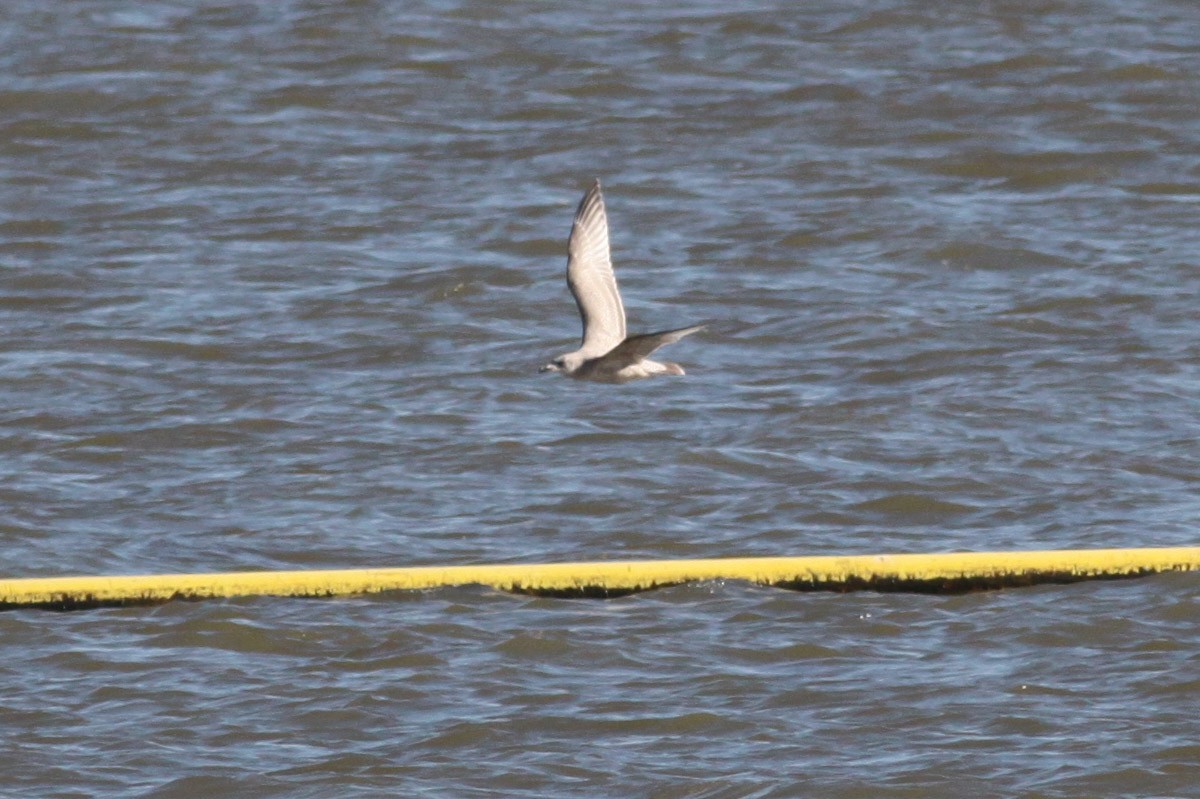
(559, 362)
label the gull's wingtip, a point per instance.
(593, 198)
(593, 190)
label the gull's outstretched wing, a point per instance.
(591, 279)
(635, 348)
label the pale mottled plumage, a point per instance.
(605, 354)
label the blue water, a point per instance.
(275, 282)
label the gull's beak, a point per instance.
(548, 368)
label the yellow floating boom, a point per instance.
(939, 573)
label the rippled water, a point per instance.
(275, 280)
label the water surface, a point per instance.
(275, 280)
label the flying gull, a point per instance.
(605, 354)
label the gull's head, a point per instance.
(567, 364)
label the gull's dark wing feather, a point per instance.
(635, 348)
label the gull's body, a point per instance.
(605, 354)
